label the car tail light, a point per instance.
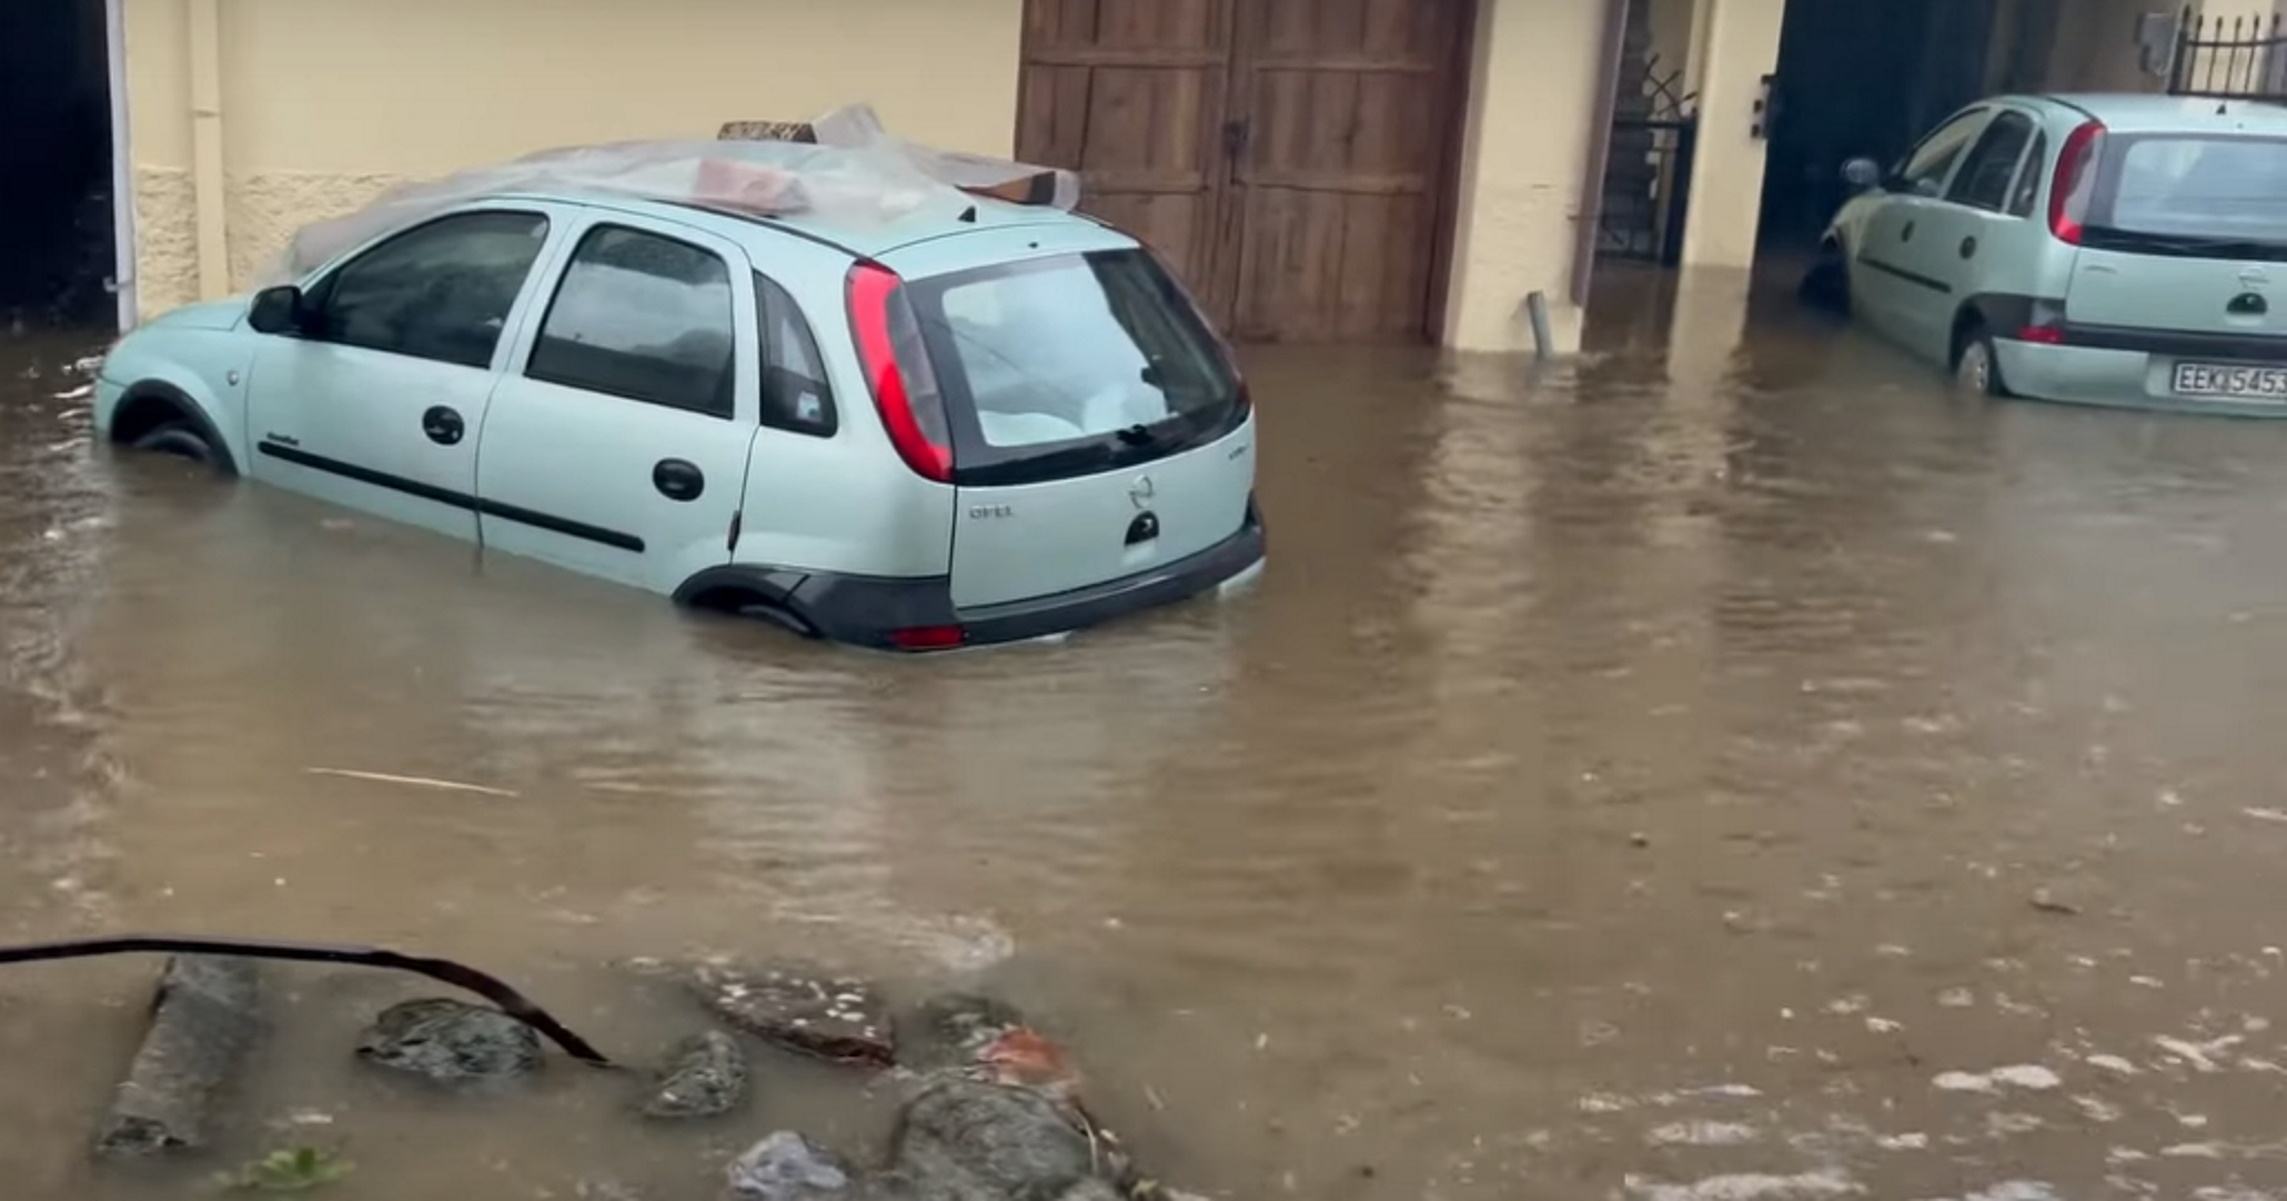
(2075, 182)
(928, 638)
(888, 338)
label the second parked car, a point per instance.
(2108, 249)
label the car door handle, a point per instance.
(678, 479)
(443, 426)
(1906, 234)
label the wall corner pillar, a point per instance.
(1736, 45)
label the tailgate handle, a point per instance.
(1143, 529)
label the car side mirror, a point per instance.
(279, 310)
(1862, 174)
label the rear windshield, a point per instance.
(2191, 194)
(1070, 364)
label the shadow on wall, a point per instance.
(56, 253)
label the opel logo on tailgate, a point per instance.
(2253, 277)
(1142, 492)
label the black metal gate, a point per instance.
(2229, 59)
(1647, 177)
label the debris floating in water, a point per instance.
(450, 1042)
(203, 1022)
(2029, 1076)
(411, 781)
(705, 1076)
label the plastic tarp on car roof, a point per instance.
(855, 171)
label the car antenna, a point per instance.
(968, 215)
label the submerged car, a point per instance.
(2106, 249)
(913, 435)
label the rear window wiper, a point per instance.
(1136, 435)
(2185, 244)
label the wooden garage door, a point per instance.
(1130, 94)
(1290, 157)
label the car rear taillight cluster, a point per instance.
(897, 371)
(2075, 182)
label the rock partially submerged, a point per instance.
(451, 1042)
(705, 1077)
(204, 1019)
(990, 1039)
(956, 1027)
(815, 1013)
(958, 1139)
(606, 1188)
(968, 1140)
(788, 1167)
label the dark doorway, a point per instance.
(1862, 77)
(56, 251)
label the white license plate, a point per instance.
(2234, 381)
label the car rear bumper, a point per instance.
(2117, 377)
(918, 613)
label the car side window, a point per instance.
(2029, 176)
(1986, 175)
(795, 395)
(645, 317)
(441, 291)
(1926, 168)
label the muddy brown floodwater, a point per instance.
(1708, 772)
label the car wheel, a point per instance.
(1827, 284)
(1977, 370)
(182, 439)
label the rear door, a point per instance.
(1099, 430)
(1982, 237)
(617, 444)
(2187, 235)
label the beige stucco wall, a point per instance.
(2096, 50)
(325, 102)
(1532, 97)
(1673, 24)
(2249, 10)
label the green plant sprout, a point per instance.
(290, 1170)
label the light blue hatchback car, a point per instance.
(2105, 249)
(983, 424)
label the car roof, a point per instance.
(863, 239)
(2136, 112)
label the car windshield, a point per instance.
(2202, 188)
(1072, 352)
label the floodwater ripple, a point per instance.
(1701, 771)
